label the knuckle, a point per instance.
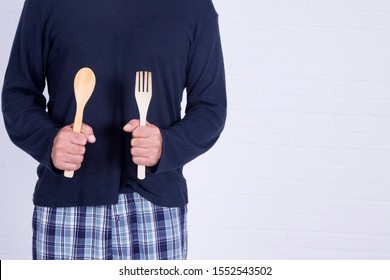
(58, 147)
(61, 136)
(80, 159)
(80, 138)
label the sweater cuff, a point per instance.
(160, 166)
(46, 160)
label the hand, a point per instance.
(68, 148)
(146, 144)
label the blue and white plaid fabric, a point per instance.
(132, 229)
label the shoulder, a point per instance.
(41, 6)
(204, 8)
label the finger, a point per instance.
(67, 128)
(138, 152)
(78, 138)
(140, 161)
(131, 125)
(141, 132)
(88, 132)
(75, 159)
(139, 143)
(70, 167)
(143, 161)
(76, 149)
(149, 124)
(64, 161)
(64, 158)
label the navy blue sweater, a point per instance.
(177, 40)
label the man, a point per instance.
(104, 211)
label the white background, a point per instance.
(302, 170)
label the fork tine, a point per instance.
(141, 81)
(136, 81)
(150, 82)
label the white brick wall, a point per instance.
(302, 169)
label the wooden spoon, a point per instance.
(84, 84)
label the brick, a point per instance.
(267, 34)
(250, 167)
(237, 67)
(330, 174)
(366, 55)
(12, 6)
(300, 17)
(376, 176)
(238, 85)
(272, 3)
(253, 51)
(335, 72)
(320, 241)
(381, 73)
(262, 103)
(367, 91)
(297, 155)
(2, 127)
(362, 124)
(16, 159)
(253, 239)
(344, 5)
(381, 38)
(298, 87)
(340, 37)
(357, 226)
(379, 244)
(365, 20)
(329, 140)
(383, 5)
(302, 53)
(3, 21)
(332, 106)
(246, 119)
(242, 135)
(289, 223)
(226, 220)
(299, 122)
(375, 142)
(244, 16)
(358, 191)
(360, 158)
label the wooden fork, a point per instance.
(143, 95)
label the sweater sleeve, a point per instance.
(23, 103)
(205, 114)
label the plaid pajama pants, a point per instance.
(132, 229)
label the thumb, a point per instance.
(88, 132)
(131, 125)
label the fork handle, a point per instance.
(141, 168)
(141, 172)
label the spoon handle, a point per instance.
(78, 121)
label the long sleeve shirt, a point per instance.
(177, 40)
